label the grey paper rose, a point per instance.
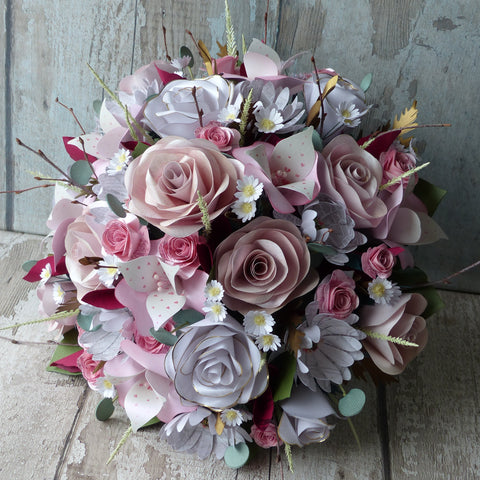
(304, 418)
(216, 365)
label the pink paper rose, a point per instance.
(163, 184)
(378, 261)
(336, 295)
(396, 161)
(352, 176)
(87, 366)
(180, 251)
(83, 239)
(126, 239)
(263, 266)
(403, 320)
(223, 137)
(267, 437)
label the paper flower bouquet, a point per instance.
(228, 249)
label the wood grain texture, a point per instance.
(4, 113)
(433, 412)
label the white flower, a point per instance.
(45, 274)
(214, 291)
(108, 271)
(215, 311)
(244, 210)
(268, 120)
(105, 387)
(229, 114)
(119, 162)
(58, 293)
(268, 342)
(249, 189)
(383, 291)
(181, 63)
(258, 323)
(348, 114)
(231, 417)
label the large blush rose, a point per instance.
(352, 176)
(216, 365)
(402, 319)
(263, 266)
(163, 184)
(83, 239)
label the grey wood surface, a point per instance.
(425, 427)
(423, 49)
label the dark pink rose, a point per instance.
(150, 344)
(263, 266)
(223, 137)
(395, 162)
(126, 239)
(378, 261)
(267, 437)
(163, 184)
(87, 366)
(180, 251)
(352, 176)
(403, 320)
(336, 295)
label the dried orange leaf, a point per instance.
(407, 118)
(329, 86)
(313, 113)
(223, 52)
(206, 57)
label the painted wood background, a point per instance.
(416, 49)
(425, 427)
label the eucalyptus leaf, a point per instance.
(139, 149)
(187, 317)
(435, 302)
(27, 266)
(409, 277)
(105, 409)
(85, 322)
(153, 421)
(163, 336)
(81, 171)
(317, 141)
(186, 52)
(366, 82)
(323, 249)
(116, 205)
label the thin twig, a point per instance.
(27, 189)
(70, 109)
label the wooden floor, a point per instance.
(426, 426)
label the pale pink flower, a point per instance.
(267, 437)
(223, 137)
(378, 261)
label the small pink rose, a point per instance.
(126, 239)
(180, 251)
(87, 366)
(267, 437)
(402, 320)
(336, 295)
(396, 161)
(223, 137)
(378, 261)
(150, 344)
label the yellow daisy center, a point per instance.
(259, 320)
(378, 290)
(267, 124)
(249, 190)
(246, 207)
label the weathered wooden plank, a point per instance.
(36, 407)
(52, 43)
(433, 410)
(4, 105)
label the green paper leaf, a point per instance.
(151, 422)
(317, 141)
(105, 409)
(62, 351)
(319, 248)
(139, 149)
(435, 302)
(27, 266)
(190, 316)
(366, 82)
(85, 322)
(163, 336)
(81, 171)
(236, 456)
(287, 364)
(409, 277)
(352, 403)
(115, 205)
(429, 194)
(97, 106)
(186, 52)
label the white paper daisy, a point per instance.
(249, 189)
(244, 210)
(214, 311)
(383, 291)
(258, 323)
(268, 342)
(214, 291)
(231, 417)
(268, 120)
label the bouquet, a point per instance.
(228, 249)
